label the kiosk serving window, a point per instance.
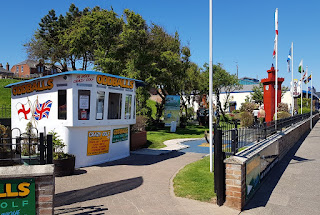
(84, 104)
(100, 105)
(62, 104)
(128, 107)
(134, 107)
(114, 106)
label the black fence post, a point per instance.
(219, 167)
(42, 161)
(234, 141)
(49, 149)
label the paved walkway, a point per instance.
(292, 187)
(171, 145)
(139, 184)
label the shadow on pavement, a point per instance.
(82, 210)
(142, 160)
(262, 196)
(98, 191)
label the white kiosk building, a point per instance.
(91, 112)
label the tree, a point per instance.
(257, 94)
(221, 80)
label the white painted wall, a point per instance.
(72, 131)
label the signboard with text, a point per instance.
(120, 134)
(98, 142)
(172, 110)
(17, 196)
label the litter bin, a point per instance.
(173, 126)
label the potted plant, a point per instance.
(138, 134)
(63, 162)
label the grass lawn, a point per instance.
(195, 181)
(5, 93)
(156, 138)
(5, 97)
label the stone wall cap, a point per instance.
(235, 160)
(26, 171)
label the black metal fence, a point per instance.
(29, 148)
(5, 111)
(234, 139)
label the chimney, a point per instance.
(1, 65)
(7, 66)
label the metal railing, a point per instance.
(29, 148)
(234, 139)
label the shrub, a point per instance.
(248, 107)
(283, 114)
(283, 107)
(225, 118)
(141, 122)
(236, 111)
(246, 119)
(304, 110)
(58, 146)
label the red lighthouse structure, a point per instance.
(269, 93)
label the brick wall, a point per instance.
(44, 183)
(236, 165)
(235, 185)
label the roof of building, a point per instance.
(138, 82)
(2, 70)
(244, 89)
(30, 63)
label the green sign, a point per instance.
(17, 196)
(120, 134)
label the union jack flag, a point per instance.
(42, 110)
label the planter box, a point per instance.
(138, 140)
(64, 167)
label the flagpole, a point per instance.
(311, 102)
(292, 101)
(276, 87)
(301, 88)
(210, 84)
(306, 73)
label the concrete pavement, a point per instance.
(139, 184)
(292, 187)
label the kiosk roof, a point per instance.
(138, 82)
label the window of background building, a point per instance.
(100, 105)
(39, 69)
(42, 69)
(134, 107)
(21, 68)
(62, 104)
(83, 104)
(127, 107)
(17, 68)
(114, 106)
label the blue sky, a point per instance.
(243, 31)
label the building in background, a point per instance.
(5, 72)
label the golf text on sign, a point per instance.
(112, 81)
(33, 86)
(17, 196)
(98, 142)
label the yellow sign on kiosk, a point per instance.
(98, 142)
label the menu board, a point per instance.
(98, 142)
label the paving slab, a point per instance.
(139, 184)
